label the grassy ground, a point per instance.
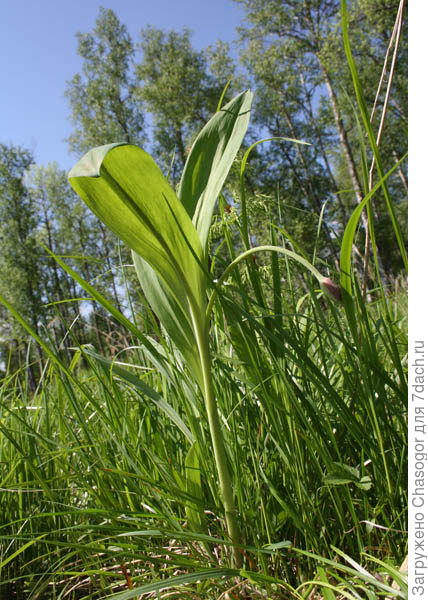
(108, 481)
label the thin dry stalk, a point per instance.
(395, 37)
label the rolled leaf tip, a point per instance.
(89, 165)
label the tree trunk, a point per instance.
(342, 135)
(309, 112)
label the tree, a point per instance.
(300, 177)
(104, 104)
(294, 53)
(68, 229)
(20, 254)
(178, 89)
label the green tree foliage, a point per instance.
(54, 205)
(103, 100)
(67, 228)
(158, 92)
(178, 90)
(294, 55)
(279, 53)
(20, 257)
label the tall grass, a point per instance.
(99, 474)
(108, 481)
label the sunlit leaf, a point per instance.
(125, 188)
(210, 159)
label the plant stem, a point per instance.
(226, 490)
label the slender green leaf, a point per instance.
(346, 251)
(194, 487)
(4, 562)
(138, 384)
(176, 581)
(210, 159)
(369, 129)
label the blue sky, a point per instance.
(38, 47)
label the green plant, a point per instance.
(110, 479)
(168, 235)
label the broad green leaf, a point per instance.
(174, 318)
(337, 480)
(124, 187)
(210, 159)
(278, 546)
(344, 474)
(365, 483)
